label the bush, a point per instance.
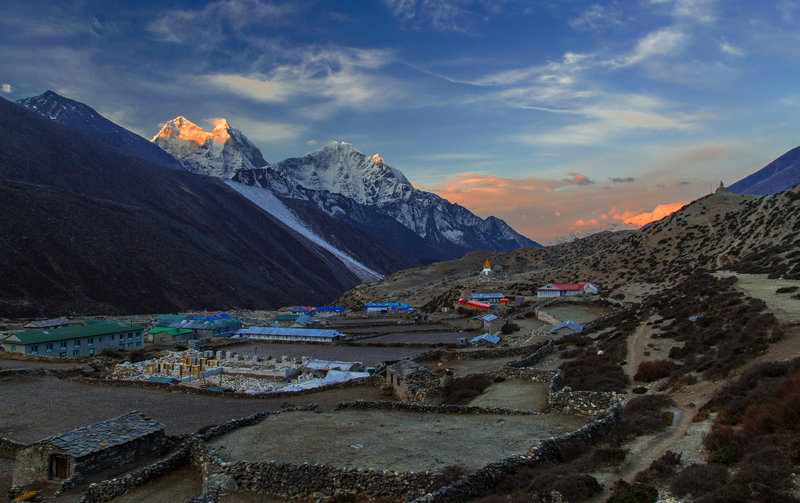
(660, 469)
(697, 480)
(622, 492)
(654, 370)
(786, 289)
(593, 372)
(643, 414)
(461, 391)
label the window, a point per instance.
(63, 344)
(62, 354)
(91, 351)
(76, 343)
(112, 337)
(100, 339)
(49, 347)
(12, 347)
(163, 339)
(76, 352)
(90, 341)
(130, 336)
(139, 344)
(138, 337)
(35, 349)
(130, 344)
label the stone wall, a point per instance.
(536, 357)
(583, 403)
(480, 354)
(437, 409)
(9, 447)
(484, 481)
(110, 489)
(313, 481)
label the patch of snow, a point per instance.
(267, 201)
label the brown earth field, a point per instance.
(419, 338)
(35, 407)
(394, 440)
(175, 487)
(367, 355)
(577, 312)
(514, 395)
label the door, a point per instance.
(59, 467)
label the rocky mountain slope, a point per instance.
(346, 184)
(719, 231)
(88, 228)
(85, 119)
(781, 174)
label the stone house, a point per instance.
(79, 453)
(489, 323)
(412, 382)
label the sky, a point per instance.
(560, 117)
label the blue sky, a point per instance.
(558, 116)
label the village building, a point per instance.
(567, 325)
(61, 321)
(411, 381)
(485, 340)
(306, 321)
(566, 289)
(89, 450)
(76, 340)
(493, 299)
(167, 336)
(217, 325)
(290, 334)
(490, 323)
(387, 307)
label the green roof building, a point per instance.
(76, 340)
(170, 335)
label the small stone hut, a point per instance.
(411, 381)
(79, 453)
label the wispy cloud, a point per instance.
(730, 49)
(702, 11)
(664, 42)
(218, 21)
(267, 132)
(597, 17)
(330, 79)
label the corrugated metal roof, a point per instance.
(486, 337)
(486, 317)
(54, 322)
(487, 296)
(568, 324)
(89, 329)
(302, 332)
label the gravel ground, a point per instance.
(23, 364)
(367, 355)
(420, 337)
(514, 395)
(174, 487)
(577, 313)
(395, 440)
(35, 407)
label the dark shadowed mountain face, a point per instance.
(85, 119)
(779, 175)
(88, 228)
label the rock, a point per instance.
(220, 482)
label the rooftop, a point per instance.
(406, 368)
(89, 329)
(301, 332)
(100, 436)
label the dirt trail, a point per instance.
(636, 347)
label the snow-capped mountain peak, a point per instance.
(220, 152)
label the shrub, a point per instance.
(725, 444)
(786, 289)
(654, 370)
(643, 414)
(461, 391)
(622, 492)
(593, 372)
(696, 480)
(660, 469)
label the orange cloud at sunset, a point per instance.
(545, 209)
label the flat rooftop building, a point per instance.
(76, 340)
(290, 334)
